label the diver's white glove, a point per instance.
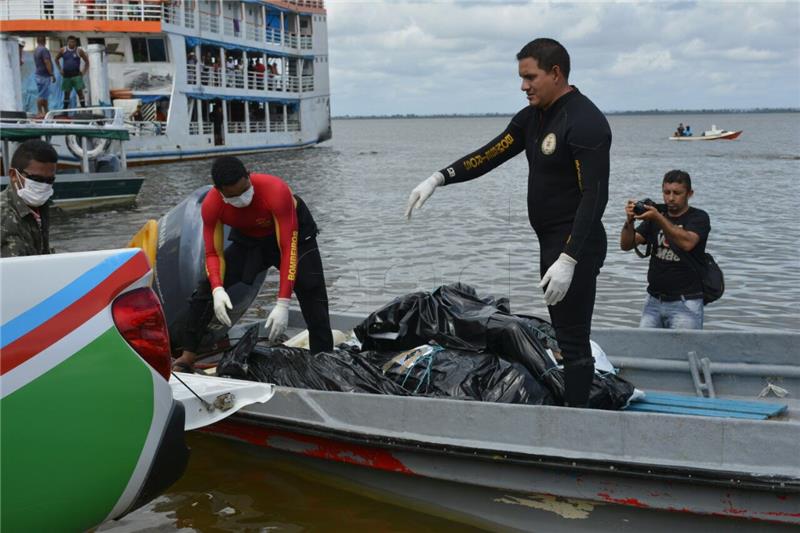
(278, 319)
(221, 301)
(422, 192)
(557, 279)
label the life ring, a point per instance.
(98, 146)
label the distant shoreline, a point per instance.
(609, 113)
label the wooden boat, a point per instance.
(713, 134)
(728, 461)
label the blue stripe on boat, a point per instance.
(57, 302)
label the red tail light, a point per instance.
(140, 319)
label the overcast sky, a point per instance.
(390, 57)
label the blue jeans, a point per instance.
(680, 314)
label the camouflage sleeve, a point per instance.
(13, 244)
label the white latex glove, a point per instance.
(557, 279)
(422, 192)
(221, 301)
(278, 319)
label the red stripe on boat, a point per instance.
(310, 446)
(88, 305)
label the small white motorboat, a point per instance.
(713, 134)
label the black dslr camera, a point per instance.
(639, 207)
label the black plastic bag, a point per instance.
(435, 371)
(338, 371)
(453, 316)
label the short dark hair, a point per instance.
(72, 37)
(227, 170)
(547, 53)
(678, 176)
(33, 150)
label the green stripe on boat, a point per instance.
(61, 438)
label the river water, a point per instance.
(356, 186)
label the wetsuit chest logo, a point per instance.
(549, 144)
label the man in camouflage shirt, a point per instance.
(25, 203)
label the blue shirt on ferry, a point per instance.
(72, 62)
(40, 56)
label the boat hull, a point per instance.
(76, 191)
(725, 135)
(510, 491)
(491, 461)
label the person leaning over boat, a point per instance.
(674, 290)
(567, 142)
(71, 71)
(25, 203)
(269, 227)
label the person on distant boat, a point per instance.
(71, 71)
(260, 69)
(269, 227)
(25, 203)
(44, 74)
(674, 290)
(680, 130)
(567, 142)
(688, 131)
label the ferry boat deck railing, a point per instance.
(209, 76)
(207, 129)
(237, 127)
(209, 22)
(141, 10)
(258, 81)
(234, 79)
(146, 128)
(272, 36)
(253, 32)
(187, 14)
(258, 127)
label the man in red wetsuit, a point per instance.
(269, 227)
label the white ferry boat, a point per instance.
(196, 78)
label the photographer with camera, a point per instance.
(674, 233)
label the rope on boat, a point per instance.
(207, 405)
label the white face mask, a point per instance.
(243, 200)
(34, 193)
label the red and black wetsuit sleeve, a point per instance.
(272, 199)
(589, 142)
(490, 156)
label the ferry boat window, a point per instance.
(148, 49)
(115, 50)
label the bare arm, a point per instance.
(629, 237)
(58, 65)
(85, 60)
(49, 66)
(684, 239)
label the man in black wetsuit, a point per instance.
(567, 141)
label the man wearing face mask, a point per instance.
(24, 204)
(269, 227)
